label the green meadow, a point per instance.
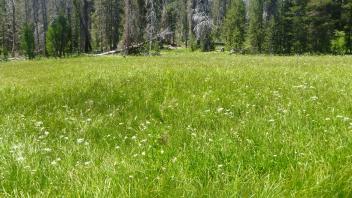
(177, 125)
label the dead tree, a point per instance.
(128, 24)
(203, 24)
(45, 23)
(151, 22)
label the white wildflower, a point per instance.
(314, 98)
(20, 158)
(54, 163)
(38, 124)
(80, 140)
(87, 163)
(47, 149)
(219, 110)
(144, 141)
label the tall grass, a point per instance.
(191, 125)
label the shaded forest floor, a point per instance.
(200, 124)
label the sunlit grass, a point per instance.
(182, 124)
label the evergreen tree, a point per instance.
(27, 41)
(347, 27)
(321, 25)
(235, 26)
(268, 26)
(256, 30)
(286, 27)
(220, 8)
(338, 44)
(299, 26)
(57, 37)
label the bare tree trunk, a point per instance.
(127, 32)
(190, 8)
(85, 26)
(14, 40)
(45, 24)
(36, 22)
(2, 24)
(151, 22)
(27, 11)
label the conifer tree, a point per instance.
(235, 26)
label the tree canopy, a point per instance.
(64, 27)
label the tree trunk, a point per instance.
(14, 40)
(85, 27)
(45, 24)
(127, 32)
(36, 22)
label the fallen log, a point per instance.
(122, 50)
(161, 35)
(110, 52)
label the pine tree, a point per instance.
(218, 12)
(256, 30)
(27, 41)
(321, 25)
(299, 26)
(235, 26)
(57, 37)
(347, 27)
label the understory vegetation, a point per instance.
(181, 124)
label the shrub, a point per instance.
(338, 44)
(57, 37)
(5, 54)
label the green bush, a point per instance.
(5, 54)
(338, 44)
(57, 37)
